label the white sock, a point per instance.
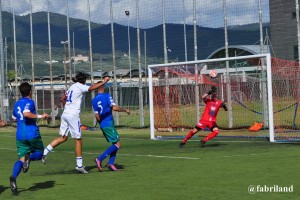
(47, 149)
(79, 161)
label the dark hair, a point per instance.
(80, 77)
(101, 85)
(25, 89)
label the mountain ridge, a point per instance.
(208, 39)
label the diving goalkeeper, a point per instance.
(208, 119)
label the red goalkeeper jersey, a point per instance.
(211, 110)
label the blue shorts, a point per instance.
(111, 134)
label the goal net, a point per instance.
(251, 86)
(286, 95)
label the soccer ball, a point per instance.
(213, 73)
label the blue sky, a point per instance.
(209, 12)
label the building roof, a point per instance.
(251, 49)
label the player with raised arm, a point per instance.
(103, 105)
(209, 116)
(70, 120)
(28, 139)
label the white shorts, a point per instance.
(70, 122)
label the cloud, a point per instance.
(209, 12)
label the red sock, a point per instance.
(211, 135)
(189, 135)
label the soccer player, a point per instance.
(28, 139)
(103, 105)
(208, 118)
(70, 120)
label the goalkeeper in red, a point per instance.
(208, 119)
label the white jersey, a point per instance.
(74, 98)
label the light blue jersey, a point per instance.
(102, 104)
(26, 127)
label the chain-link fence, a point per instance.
(46, 42)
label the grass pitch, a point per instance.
(223, 169)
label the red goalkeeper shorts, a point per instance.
(202, 125)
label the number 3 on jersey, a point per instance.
(69, 96)
(20, 113)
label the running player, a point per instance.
(28, 139)
(103, 105)
(70, 120)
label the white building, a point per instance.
(80, 58)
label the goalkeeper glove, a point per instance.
(212, 90)
(224, 106)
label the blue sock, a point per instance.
(17, 168)
(112, 158)
(108, 151)
(36, 155)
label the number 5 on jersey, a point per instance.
(100, 106)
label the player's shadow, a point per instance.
(39, 186)
(120, 167)
(88, 168)
(63, 171)
(2, 189)
(212, 145)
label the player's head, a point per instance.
(25, 89)
(101, 88)
(80, 77)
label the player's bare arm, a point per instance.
(35, 116)
(63, 100)
(97, 85)
(119, 109)
(204, 96)
(97, 117)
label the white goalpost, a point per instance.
(172, 94)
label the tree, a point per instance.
(11, 75)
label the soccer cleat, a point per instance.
(81, 170)
(181, 144)
(98, 163)
(44, 159)
(26, 163)
(13, 184)
(202, 142)
(111, 167)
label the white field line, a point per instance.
(176, 140)
(91, 153)
(84, 138)
(149, 155)
(160, 156)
